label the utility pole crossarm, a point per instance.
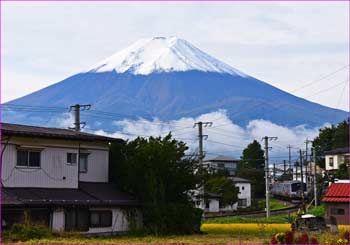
(201, 136)
(76, 109)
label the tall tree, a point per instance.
(251, 167)
(331, 137)
(157, 171)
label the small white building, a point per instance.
(60, 178)
(336, 157)
(212, 205)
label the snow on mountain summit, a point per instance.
(163, 54)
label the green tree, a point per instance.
(251, 167)
(157, 171)
(223, 186)
(331, 137)
(342, 172)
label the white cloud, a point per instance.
(224, 137)
(65, 120)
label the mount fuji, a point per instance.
(168, 78)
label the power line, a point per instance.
(297, 89)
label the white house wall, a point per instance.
(54, 171)
(58, 219)
(97, 167)
(119, 222)
(246, 193)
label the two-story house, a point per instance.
(59, 178)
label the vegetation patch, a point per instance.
(248, 228)
(281, 219)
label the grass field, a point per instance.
(323, 238)
(190, 239)
(277, 204)
(278, 219)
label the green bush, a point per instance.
(318, 211)
(25, 232)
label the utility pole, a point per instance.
(200, 152)
(267, 187)
(302, 179)
(76, 109)
(308, 167)
(284, 167)
(289, 156)
(306, 163)
(201, 136)
(315, 176)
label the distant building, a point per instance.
(336, 157)
(59, 178)
(213, 205)
(337, 202)
(222, 163)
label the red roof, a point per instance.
(337, 192)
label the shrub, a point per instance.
(346, 235)
(289, 237)
(303, 239)
(25, 232)
(281, 238)
(313, 240)
(318, 211)
(274, 240)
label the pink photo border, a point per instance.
(129, 1)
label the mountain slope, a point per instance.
(168, 78)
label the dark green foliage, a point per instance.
(224, 187)
(158, 173)
(330, 138)
(251, 167)
(342, 172)
(25, 232)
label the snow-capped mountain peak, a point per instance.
(162, 54)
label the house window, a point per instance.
(77, 220)
(207, 204)
(83, 163)
(27, 158)
(100, 218)
(221, 165)
(331, 162)
(71, 158)
(242, 202)
(242, 188)
(337, 211)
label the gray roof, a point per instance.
(338, 151)
(222, 158)
(95, 194)
(239, 180)
(8, 129)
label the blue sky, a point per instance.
(286, 44)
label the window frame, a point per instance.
(100, 223)
(337, 211)
(87, 162)
(331, 161)
(76, 158)
(28, 152)
(242, 201)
